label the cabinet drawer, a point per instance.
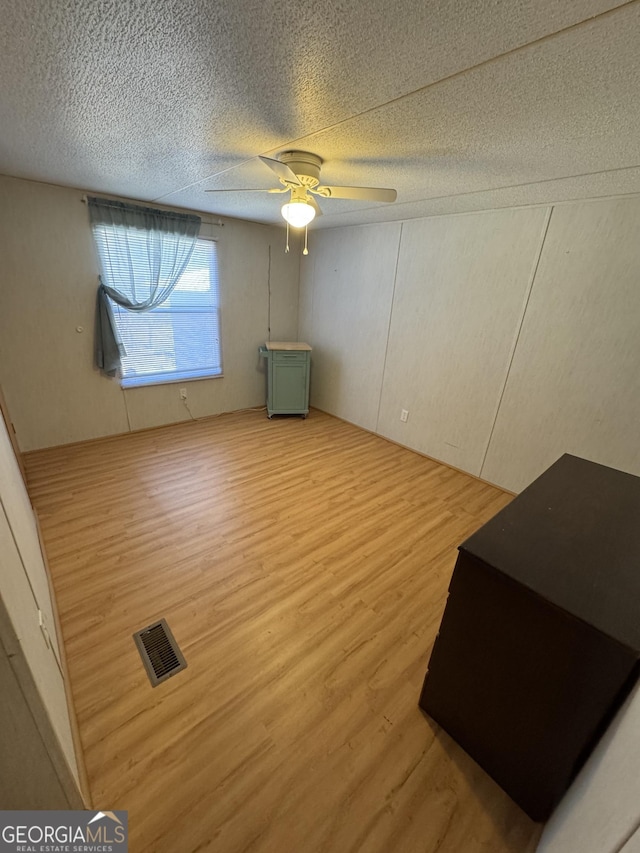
(291, 356)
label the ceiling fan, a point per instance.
(299, 174)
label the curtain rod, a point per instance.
(219, 223)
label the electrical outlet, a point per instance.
(404, 414)
(183, 393)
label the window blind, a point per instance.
(179, 339)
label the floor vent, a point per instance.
(159, 652)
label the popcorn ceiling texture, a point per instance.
(444, 101)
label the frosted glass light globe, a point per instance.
(298, 213)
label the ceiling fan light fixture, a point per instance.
(298, 213)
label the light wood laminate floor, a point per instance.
(303, 567)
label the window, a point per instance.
(180, 339)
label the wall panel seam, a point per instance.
(386, 346)
(523, 313)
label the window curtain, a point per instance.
(135, 280)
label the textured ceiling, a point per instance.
(458, 105)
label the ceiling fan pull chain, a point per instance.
(286, 248)
(305, 251)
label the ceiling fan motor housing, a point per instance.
(304, 165)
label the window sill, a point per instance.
(145, 382)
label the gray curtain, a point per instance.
(142, 254)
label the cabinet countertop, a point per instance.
(287, 345)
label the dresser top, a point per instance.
(573, 538)
(287, 345)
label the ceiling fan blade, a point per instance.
(250, 190)
(360, 193)
(314, 204)
(281, 170)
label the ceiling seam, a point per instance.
(500, 189)
(453, 76)
(475, 210)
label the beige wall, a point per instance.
(574, 384)
(460, 289)
(510, 336)
(347, 314)
(48, 283)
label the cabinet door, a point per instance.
(290, 384)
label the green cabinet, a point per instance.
(288, 368)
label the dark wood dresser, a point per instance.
(540, 639)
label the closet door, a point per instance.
(19, 512)
(4, 412)
(28, 778)
(27, 625)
